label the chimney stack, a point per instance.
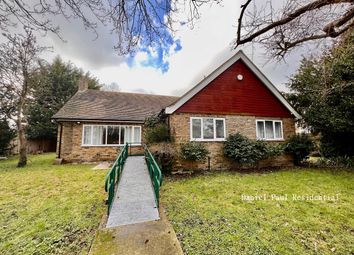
(83, 84)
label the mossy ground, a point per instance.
(210, 217)
(49, 209)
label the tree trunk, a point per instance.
(23, 146)
(22, 161)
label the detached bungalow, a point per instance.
(94, 124)
(236, 97)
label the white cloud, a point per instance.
(204, 48)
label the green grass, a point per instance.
(210, 217)
(49, 209)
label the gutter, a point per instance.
(95, 120)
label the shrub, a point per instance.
(337, 144)
(336, 162)
(165, 160)
(156, 129)
(300, 146)
(156, 134)
(153, 120)
(165, 156)
(246, 151)
(7, 134)
(194, 151)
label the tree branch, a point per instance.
(243, 9)
(330, 28)
(291, 16)
(289, 45)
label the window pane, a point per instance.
(196, 128)
(128, 134)
(269, 130)
(113, 135)
(278, 132)
(208, 128)
(99, 135)
(87, 135)
(219, 128)
(122, 133)
(260, 130)
(137, 136)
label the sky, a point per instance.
(170, 69)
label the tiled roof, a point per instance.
(112, 106)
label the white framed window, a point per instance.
(207, 129)
(269, 130)
(110, 135)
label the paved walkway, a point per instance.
(135, 198)
(147, 238)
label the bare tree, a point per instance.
(19, 56)
(284, 27)
(131, 21)
(278, 25)
(113, 86)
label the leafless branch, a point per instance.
(295, 23)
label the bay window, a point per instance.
(110, 135)
(269, 130)
(207, 129)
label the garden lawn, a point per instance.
(210, 217)
(49, 209)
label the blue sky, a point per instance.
(157, 47)
(157, 54)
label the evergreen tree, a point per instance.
(53, 85)
(7, 134)
(324, 94)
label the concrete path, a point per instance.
(103, 166)
(147, 238)
(135, 198)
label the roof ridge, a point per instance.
(126, 92)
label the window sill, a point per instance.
(272, 140)
(110, 145)
(208, 140)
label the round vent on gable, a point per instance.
(239, 77)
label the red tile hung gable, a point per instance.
(227, 95)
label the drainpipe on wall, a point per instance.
(60, 138)
(209, 163)
(169, 125)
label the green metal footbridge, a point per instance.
(133, 187)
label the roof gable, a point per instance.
(221, 92)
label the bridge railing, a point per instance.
(114, 174)
(155, 173)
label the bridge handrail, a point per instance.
(155, 173)
(113, 176)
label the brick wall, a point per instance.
(246, 125)
(73, 151)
